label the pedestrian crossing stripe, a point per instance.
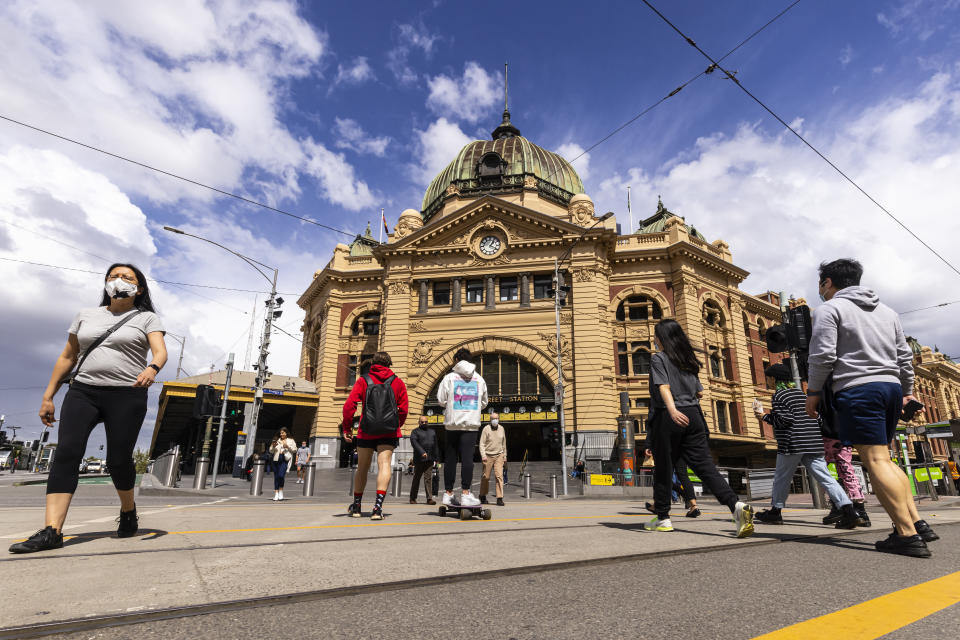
(879, 616)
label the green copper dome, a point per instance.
(502, 165)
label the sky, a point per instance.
(330, 114)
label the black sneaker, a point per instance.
(376, 514)
(834, 516)
(695, 513)
(769, 516)
(483, 499)
(849, 518)
(128, 523)
(354, 510)
(924, 531)
(863, 518)
(42, 540)
(499, 502)
(912, 546)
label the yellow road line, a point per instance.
(879, 616)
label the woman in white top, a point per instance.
(109, 386)
(283, 448)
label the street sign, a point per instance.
(598, 479)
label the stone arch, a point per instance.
(640, 290)
(485, 344)
(356, 313)
(721, 307)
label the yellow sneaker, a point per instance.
(659, 525)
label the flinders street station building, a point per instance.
(473, 266)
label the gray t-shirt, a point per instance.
(683, 386)
(302, 454)
(120, 358)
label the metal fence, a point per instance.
(166, 467)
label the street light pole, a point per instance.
(559, 391)
(272, 303)
(223, 418)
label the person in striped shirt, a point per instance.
(799, 441)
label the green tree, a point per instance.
(140, 460)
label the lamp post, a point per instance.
(183, 341)
(559, 295)
(272, 303)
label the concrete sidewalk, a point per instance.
(229, 548)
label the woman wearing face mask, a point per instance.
(493, 453)
(109, 385)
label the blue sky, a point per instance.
(332, 113)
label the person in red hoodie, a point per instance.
(367, 442)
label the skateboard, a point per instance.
(467, 512)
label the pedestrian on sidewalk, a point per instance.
(798, 442)
(426, 452)
(681, 484)
(283, 448)
(463, 392)
(954, 473)
(108, 344)
(493, 455)
(860, 341)
(841, 456)
(385, 406)
(303, 457)
(679, 429)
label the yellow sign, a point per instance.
(551, 415)
(538, 415)
(599, 479)
(521, 416)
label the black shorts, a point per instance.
(373, 443)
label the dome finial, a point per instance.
(506, 84)
(506, 129)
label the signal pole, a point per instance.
(223, 418)
(794, 352)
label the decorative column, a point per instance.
(455, 287)
(491, 301)
(524, 289)
(424, 293)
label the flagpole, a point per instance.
(629, 211)
(383, 223)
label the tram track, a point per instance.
(103, 621)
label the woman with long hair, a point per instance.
(109, 385)
(282, 447)
(677, 428)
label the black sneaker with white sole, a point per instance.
(128, 523)
(42, 540)
(912, 546)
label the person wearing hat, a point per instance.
(799, 441)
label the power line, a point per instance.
(942, 304)
(174, 175)
(731, 76)
(675, 91)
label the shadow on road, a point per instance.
(89, 536)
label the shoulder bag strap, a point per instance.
(96, 343)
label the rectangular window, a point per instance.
(722, 416)
(542, 286)
(509, 289)
(753, 371)
(528, 379)
(352, 371)
(508, 376)
(622, 359)
(641, 358)
(770, 382)
(638, 312)
(371, 327)
(441, 294)
(474, 290)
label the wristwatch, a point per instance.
(154, 367)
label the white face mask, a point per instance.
(494, 423)
(120, 288)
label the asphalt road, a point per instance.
(734, 592)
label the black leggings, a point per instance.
(121, 410)
(459, 443)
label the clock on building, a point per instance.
(489, 245)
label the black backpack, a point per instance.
(380, 414)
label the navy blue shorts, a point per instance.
(373, 443)
(868, 413)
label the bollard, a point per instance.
(200, 474)
(170, 477)
(353, 479)
(553, 486)
(397, 481)
(256, 478)
(526, 486)
(309, 478)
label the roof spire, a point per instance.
(506, 129)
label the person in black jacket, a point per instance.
(425, 454)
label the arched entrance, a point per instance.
(523, 396)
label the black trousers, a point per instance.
(670, 442)
(683, 486)
(419, 467)
(462, 444)
(121, 410)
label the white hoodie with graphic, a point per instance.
(463, 394)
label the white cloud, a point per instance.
(571, 150)
(437, 145)
(357, 72)
(338, 183)
(917, 18)
(350, 135)
(468, 97)
(408, 38)
(783, 211)
(846, 56)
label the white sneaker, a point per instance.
(447, 499)
(743, 518)
(276, 497)
(469, 500)
(658, 525)
(281, 496)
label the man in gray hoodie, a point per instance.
(463, 392)
(860, 341)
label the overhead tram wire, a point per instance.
(176, 176)
(935, 306)
(715, 64)
(677, 90)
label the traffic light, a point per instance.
(795, 334)
(3, 437)
(777, 339)
(564, 290)
(36, 445)
(206, 402)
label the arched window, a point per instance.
(367, 324)
(746, 325)
(639, 308)
(634, 360)
(712, 314)
(762, 328)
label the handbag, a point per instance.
(69, 378)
